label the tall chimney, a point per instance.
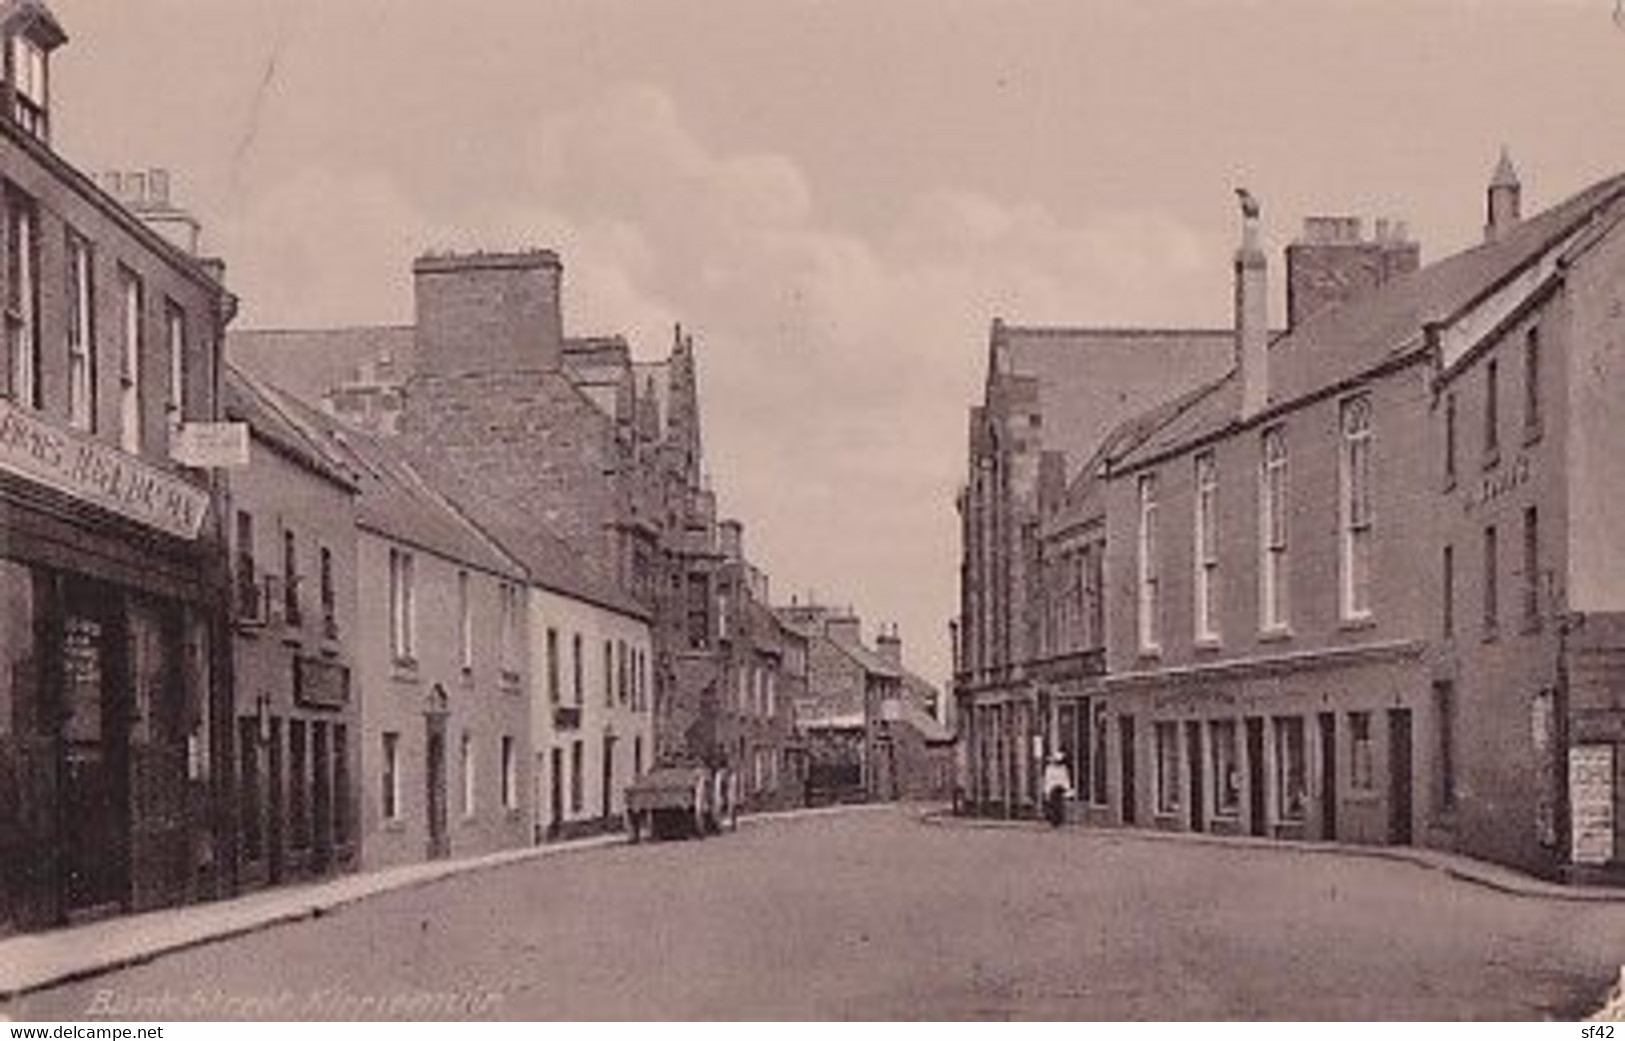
(1252, 312)
(1503, 200)
(889, 645)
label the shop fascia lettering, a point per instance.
(99, 474)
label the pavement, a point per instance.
(35, 961)
(1516, 944)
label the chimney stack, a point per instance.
(889, 644)
(1503, 201)
(1252, 311)
(1333, 262)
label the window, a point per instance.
(623, 671)
(402, 607)
(1150, 606)
(1531, 569)
(1531, 384)
(1167, 745)
(248, 579)
(1094, 592)
(341, 784)
(467, 758)
(637, 756)
(1356, 481)
(1492, 407)
(81, 335)
(1491, 605)
(465, 622)
(1362, 777)
(609, 672)
(130, 363)
(392, 777)
(175, 336)
(578, 668)
(1291, 769)
(1274, 565)
(510, 775)
(508, 633)
(1226, 768)
(329, 594)
(1444, 721)
(699, 612)
(290, 580)
(553, 669)
(22, 300)
(1207, 549)
(30, 86)
(1448, 592)
(576, 797)
(1450, 441)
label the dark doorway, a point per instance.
(435, 772)
(609, 775)
(273, 801)
(1328, 776)
(1193, 759)
(1258, 820)
(1399, 777)
(1125, 740)
(556, 793)
(95, 803)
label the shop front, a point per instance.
(106, 681)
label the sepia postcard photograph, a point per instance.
(879, 511)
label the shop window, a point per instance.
(19, 662)
(1167, 748)
(1362, 776)
(1226, 768)
(1291, 769)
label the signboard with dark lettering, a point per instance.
(99, 474)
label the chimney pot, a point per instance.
(1252, 313)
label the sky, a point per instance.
(836, 197)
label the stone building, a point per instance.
(297, 720)
(115, 710)
(1357, 588)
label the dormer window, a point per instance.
(29, 83)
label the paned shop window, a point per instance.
(1291, 769)
(1362, 777)
(1150, 582)
(1273, 569)
(1356, 481)
(1226, 768)
(1207, 548)
(81, 335)
(1167, 742)
(22, 301)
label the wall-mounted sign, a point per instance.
(320, 684)
(211, 445)
(1499, 482)
(99, 474)
(1591, 803)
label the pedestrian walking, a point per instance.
(1057, 789)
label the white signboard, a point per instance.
(211, 445)
(1591, 803)
(99, 474)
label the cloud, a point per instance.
(837, 364)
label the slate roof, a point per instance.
(1342, 343)
(308, 363)
(245, 400)
(1090, 379)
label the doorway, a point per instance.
(556, 797)
(1258, 821)
(95, 734)
(1400, 798)
(1328, 776)
(435, 753)
(1125, 740)
(1193, 759)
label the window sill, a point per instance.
(1490, 636)
(1208, 645)
(1492, 459)
(1356, 623)
(1279, 634)
(395, 825)
(1532, 434)
(1150, 654)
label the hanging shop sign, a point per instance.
(99, 474)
